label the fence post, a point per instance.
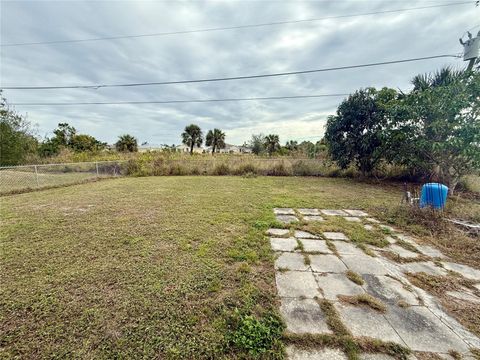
(96, 167)
(36, 175)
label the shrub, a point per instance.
(221, 169)
(177, 169)
(132, 167)
(245, 169)
(279, 169)
(256, 336)
(301, 168)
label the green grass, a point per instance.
(152, 267)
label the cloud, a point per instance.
(300, 46)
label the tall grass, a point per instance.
(231, 165)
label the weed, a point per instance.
(299, 246)
(256, 336)
(366, 250)
(353, 276)
(333, 318)
(406, 245)
(306, 259)
(331, 246)
(364, 299)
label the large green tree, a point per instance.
(272, 143)
(192, 136)
(84, 142)
(436, 127)
(355, 134)
(216, 139)
(257, 144)
(17, 139)
(126, 143)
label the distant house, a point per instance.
(231, 149)
(186, 149)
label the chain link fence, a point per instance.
(27, 177)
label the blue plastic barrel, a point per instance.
(434, 195)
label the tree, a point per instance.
(216, 139)
(355, 134)
(257, 143)
(83, 142)
(64, 134)
(292, 145)
(436, 127)
(126, 143)
(192, 136)
(272, 143)
(17, 138)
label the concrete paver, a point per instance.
(291, 261)
(278, 232)
(283, 244)
(430, 251)
(286, 219)
(427, 267)
(283, 211)
(402, 252)
(309, 218)
(297, 284)
(309, 211)
(294, 353)
(303, 316)
(304, 235)
(333, 285)
(347, 248)
(364, 321)
(389, 290)
(465, 270)
(464, 296)
(422, 330)
(335, 236)
(352, 218)
(333, 212)
(315, 245)
(355, 212)
(364, 264)
(327, 263)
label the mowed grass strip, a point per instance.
(148, 267)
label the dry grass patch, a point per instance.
(364, 300)
(467, 313)
(433, 228)
(354, 277)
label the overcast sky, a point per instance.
(292, 47)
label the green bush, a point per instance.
(256, 336)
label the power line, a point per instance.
(182, 101)
(227, 78)
(276, 23)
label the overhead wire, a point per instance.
(275, 23)
(243, 77)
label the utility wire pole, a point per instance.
(470, 49)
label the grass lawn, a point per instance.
(149, 267)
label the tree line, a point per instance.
(433, 130)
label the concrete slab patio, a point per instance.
(412, 318)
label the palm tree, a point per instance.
(216, 139)
(444, 76)
(191, 136)
(126, 143)
(272, 143)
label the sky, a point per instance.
(248, 51)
